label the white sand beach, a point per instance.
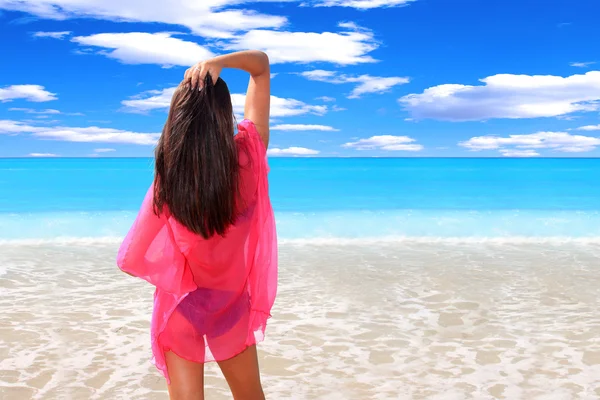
(390, 321)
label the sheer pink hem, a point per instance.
(164, 346)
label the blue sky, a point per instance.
(395, 78)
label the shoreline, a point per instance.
(552, 241)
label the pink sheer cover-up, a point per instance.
(213, 297)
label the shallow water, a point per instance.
(392, 321)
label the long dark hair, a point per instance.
(196, 173)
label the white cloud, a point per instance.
(374, 84)
(320, 75)
(508, 96)
(292, 151)
(360, 4)
(518, 153)
(582, 64)
(104, 150)
(42, 155)
(32, 111)
(589, 128)
(211, 18)
(40, 121)
(150, 100)
(556, 141)
(14, 127)
(326, 98)
(92, 134)
(147, 48)
(35, 93)
(302, 127)
(385, 142)
(366, 83)
(280, 107)
(348, 47)
(54, 35)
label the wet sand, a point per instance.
(393, 321)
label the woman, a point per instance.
(205, 235)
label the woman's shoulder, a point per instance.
(247, 127)
(247, 132)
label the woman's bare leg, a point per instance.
(187, 378)
(242, 375)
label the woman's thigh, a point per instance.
(187, 378)
(243, 376)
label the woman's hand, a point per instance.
(196, 74)
(258, 95)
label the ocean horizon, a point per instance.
(322, 199)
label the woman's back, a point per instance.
(218, 262)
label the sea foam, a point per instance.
(316, 227)
(337, 241)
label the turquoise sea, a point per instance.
(326, 199)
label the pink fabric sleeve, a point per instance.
(262, 247)
(150, 252)
(248, 128)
